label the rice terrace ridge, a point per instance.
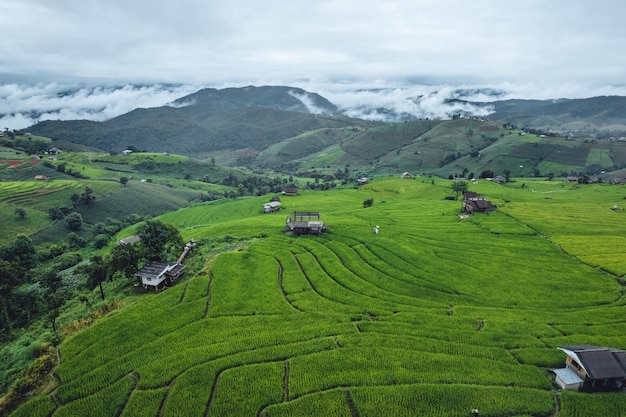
(435, 315)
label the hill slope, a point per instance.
(599, 116)
(434, 313)
(205, 121)
(289, 129)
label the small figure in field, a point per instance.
(375, 230)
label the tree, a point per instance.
(21, 251)
(97, 270)
(55, 301)
(75, 240)
(157, 238)
(124, 259)
(87, 196)
(55, 296)
(123, 181)
(75, 199)
(55, 213)
(11, 274)
(459, 187)
(50, 280)
(486, 174)
(74, 221)
(368, 203)
(20, 212)
(101, 240)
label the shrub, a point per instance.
(67, 260)
(101, 241)
(74, 221)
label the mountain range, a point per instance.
(281, 126)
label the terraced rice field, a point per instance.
(433, 316)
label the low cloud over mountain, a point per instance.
(22, 105)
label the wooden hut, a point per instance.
(304, 223)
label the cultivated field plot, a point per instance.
(433, 316)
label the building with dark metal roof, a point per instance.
(159, 274)
(597, 368)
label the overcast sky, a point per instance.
(567, 42)
(529, 48)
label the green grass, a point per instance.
(435, 315)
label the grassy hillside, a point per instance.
(436, 315)
(266, 139)
(443, 148)
(596, 116)
(167, 190)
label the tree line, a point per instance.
(33, 287)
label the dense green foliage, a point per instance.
(435, 315)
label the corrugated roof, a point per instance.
(568, 376)
(599, 362)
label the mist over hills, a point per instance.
(286, 128)
(207, 120)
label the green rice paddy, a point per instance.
(436, 315)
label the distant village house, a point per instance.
(129, 240)
(290, 191)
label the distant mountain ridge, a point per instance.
(206, 121)
(279, 125)
(602, 115)
(273, 97)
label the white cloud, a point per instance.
(23, 105)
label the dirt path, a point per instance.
(354, 412)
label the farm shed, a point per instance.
(158, 274)
(128, 240)
(592, 368)
(362, 181)
(271, 206)
(479, 205)
(304, 223)
(290, 191)
(470, 195)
